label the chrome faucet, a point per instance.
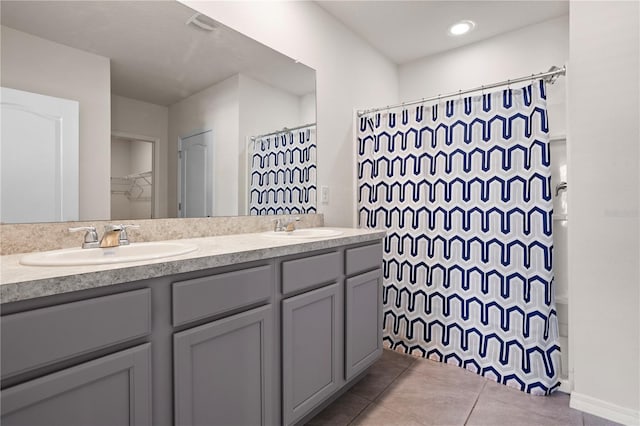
(111, 236)
(115, 235)
(283, 225)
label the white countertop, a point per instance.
(20, 282)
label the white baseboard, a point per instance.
(604, 409)
(565, 386)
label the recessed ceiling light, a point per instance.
(461, 27)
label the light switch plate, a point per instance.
(324, 194)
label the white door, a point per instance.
(196, 175)
(39, 158)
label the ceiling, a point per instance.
(404, 31)
(155, 56)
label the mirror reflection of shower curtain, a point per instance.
(282, 176)
(463, 190)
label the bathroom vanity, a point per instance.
(246, 330)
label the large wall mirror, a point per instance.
(131, 110)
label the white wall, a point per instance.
(37, 65)
(141, 155)
(234, 109)
(264, 108)
(149, 120)
(308, 108)
(349, 74)
(496, 59)
(604, 203)
(215, 108)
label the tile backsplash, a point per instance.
(25, 238)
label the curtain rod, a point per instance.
(284, 130)
(549, 76)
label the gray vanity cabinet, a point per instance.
(363, 322)
(262, 343)
(363, 308)
(311, 334)
(222, 371)
(112, 390)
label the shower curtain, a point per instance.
(463, 190)
(283, 173)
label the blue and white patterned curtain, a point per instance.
(463, 190)
(283, 173)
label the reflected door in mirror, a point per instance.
(39, 155)
(196, 175)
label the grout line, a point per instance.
(390, 383)
(475, 403)
(369, 403)
(376, 402)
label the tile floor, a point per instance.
(402, 390)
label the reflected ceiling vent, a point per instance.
(202, 22)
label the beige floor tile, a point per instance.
(591, 420)
(449, 374)
(341, 412)
(556, 403)
(398, 358)
(430, 401)
(377, 415)
(493, 412)
(554, 406)
(417, 391)
(380, 375)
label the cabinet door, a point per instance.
(112, 390)
(222, 371)
(363, 322)
(311, 330)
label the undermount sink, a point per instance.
(103, 256)
(304, 233)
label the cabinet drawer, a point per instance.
(216, 294)
(112, 390)
(308, 272)
(361, 259)
(43, 336)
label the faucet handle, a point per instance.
(90, 236)
(124, 238)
